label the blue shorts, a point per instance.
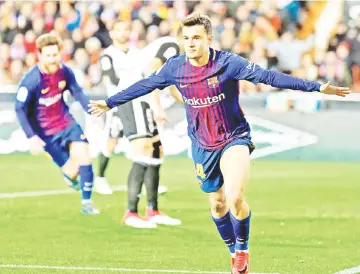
(207, 164)
(58, 145)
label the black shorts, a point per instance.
(134, 119)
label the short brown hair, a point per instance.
(198, 19)
(48, 39)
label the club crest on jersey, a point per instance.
(62, 84)
(213, 82)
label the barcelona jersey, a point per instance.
(211, 93)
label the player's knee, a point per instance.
(218, 207)
(70, 169)
(236, 204)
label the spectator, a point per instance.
(248, 28)
(290, 50)
(17, 48)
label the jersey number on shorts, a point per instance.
(200, 171)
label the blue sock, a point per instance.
(86, 181)
(226, 231)
(241, 231)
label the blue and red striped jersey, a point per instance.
(211, 93)
(39, 105)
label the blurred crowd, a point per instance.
(266, 32)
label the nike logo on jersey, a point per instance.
(184, 85)
(45, 90)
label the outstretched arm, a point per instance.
(242, 69)
(282, 80)
(157, 80)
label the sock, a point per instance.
(151, 180)
(104, 160)
(241, 231)
(86, 181)
(225, 228)
(135, 182)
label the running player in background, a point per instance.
(45, 117)
(122, 66)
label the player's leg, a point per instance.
(101, 184)
(207, 166)
(152, 176)
(74, 141)
(61, 157)
(70, 172)
(158, 154)
(147, 149)
(135, 182)
(235, 168)
(133, 130)
(105, 155)
(151, 180)
(79, 154)
(139, 148)
(221, 216)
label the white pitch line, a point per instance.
(49, 192)
(80, 268)
(353, 270)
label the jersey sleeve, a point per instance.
(243, 69)
(76, 90)
(24, 96)
(167, 50)
(160, 79)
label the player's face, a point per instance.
(50, 58)
(195, 41)
(121, 32)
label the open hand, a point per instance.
(333, 90)
(98, 107)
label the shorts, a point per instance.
(58, 145)
(133, 120)
(207, 164)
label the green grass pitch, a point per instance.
(306, 219)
